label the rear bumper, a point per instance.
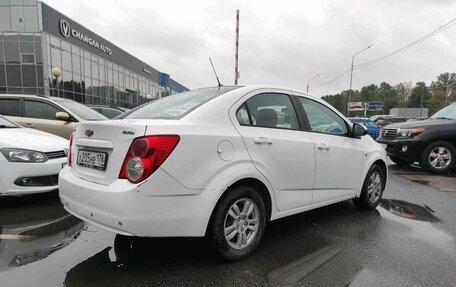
(408, 150)
(130, 209)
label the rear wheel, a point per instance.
(438, 157)
(372, 190)
(399, 161)
(238, 223)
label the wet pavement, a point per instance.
(408, 241)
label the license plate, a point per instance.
(92, 159)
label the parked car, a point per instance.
(222, 162)
(53, 115)
(30, 160)
(372, 128)
(431, 142)
(375, 118)
(108, 111)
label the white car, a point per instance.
(220, 161)
(30, 160)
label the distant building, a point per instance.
(409, 112)
(35, 38)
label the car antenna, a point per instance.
(218, 81)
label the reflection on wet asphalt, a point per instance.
(402, 243)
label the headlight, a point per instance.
(409, 133)
(23, 155)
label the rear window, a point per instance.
(9, 107)
(176, 106)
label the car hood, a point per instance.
(421, 124)
(31, 139)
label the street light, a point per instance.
(311, 80)
(351, 78)
(56, 72)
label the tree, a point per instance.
(415, 98)
(388, 95)
(444, 82)
(369, 93)
(437, 101)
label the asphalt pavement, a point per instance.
(409, 240)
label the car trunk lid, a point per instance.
(99, 148)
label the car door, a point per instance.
(41, 115)
(10, 108)
(279, 149)
(339, 157)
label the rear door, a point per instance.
(279, 149)
(40, 114)
(339, 157)
(10, 108)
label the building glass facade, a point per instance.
(93, 70)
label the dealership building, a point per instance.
(35, 39)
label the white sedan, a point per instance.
(30, 160)
(219, 162)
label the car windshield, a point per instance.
(82, 111)
(5, 124)
(448, 112)
(176, 106)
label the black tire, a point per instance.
(220, 217)
(364, 202)
(425, 157)
(399, 161)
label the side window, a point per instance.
(243, 116)
(322, 119)
(9, 107)
(39, 110)
(272, 111)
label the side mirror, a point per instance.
(359, 130)
(63, 116)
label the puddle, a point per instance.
(409, 210)
(21, 244)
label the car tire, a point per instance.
(372, 190)
(238, 223)
(438, 157)
(399, 161)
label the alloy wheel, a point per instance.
(241, 223)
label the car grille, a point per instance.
(389, 133)
(55, 154)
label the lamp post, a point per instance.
(56, 72)
(351, 77)
(311, 80)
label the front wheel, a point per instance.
(372, 190)
(238, 223)
(438, 157)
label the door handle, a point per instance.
(29, 125)
(323, 147)
(262, 140)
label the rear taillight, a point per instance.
(146, 155)
(69, 151)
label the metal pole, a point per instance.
(421, 104)
(350, 89)
(351, 77)
(236, 55)
(311, 80)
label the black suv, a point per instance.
(431, 142)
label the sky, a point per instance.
(283, 43)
